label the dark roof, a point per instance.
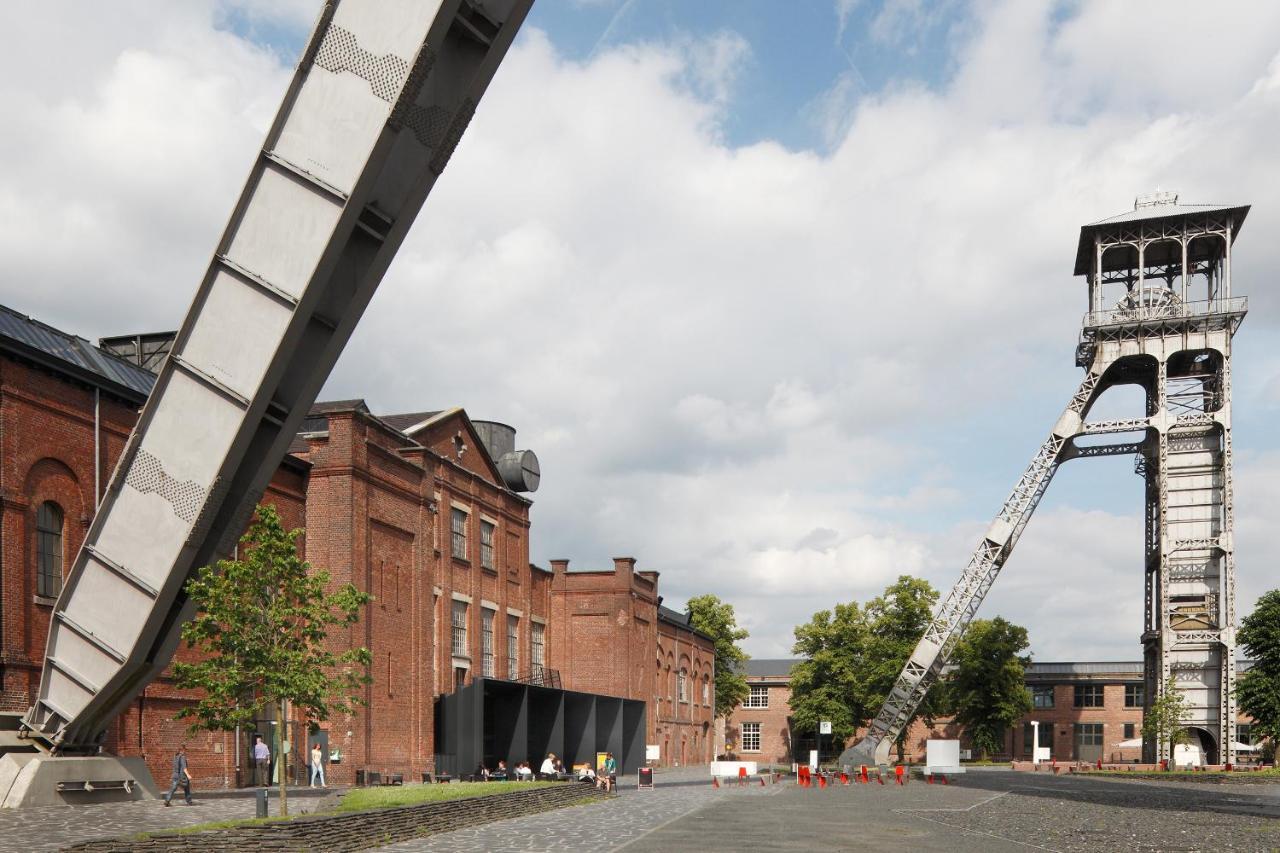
(675, 617)
(769, 667)
(403, 421)
(73, 355)
(328, 407)
(1153, 212)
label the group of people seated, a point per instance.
(552, 768)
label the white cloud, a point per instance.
(776, 375)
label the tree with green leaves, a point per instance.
(715, 618)
(988, 690)
(1163, 721)
(825, 685)
(261, 627)
(1258, 690)
(854, 654)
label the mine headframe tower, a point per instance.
(1161, 316)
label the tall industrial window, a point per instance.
(49, 549)
(486, 545)
(758, 698)
(537, 633)
(458, 529)
(1134, 694)
(750, 737)
(460, 629)
(513, 647)
(682, 686)
(1088, 695)
(706, 691)
(486, 637)
(1042, 696)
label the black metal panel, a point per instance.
(579, 729)
(493, 720)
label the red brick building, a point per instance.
(411, 508)
(1086, 712)
(617, 639)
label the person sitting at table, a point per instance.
(500, 772)
(481, 773)
(524, 773)
(560, 768)
(548, 769)
(586, 774)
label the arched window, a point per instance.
(49, 550)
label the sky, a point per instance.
(779, 292)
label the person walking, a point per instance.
(181, 776)
(261, 762)
(317, 765)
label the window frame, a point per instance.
(1135, 690)
(488, 658)
(1039, 692)
(458, 637)
(1083, 696)
(51, 525)
(488, 532)
(758, 697)
(458, 536)
(513, 647)
(537, 647)
(749, 730)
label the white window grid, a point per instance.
(513, 647)
(459, 622)
(458, 531)
(750, 737)
(758, 697)
(486, 545)
(486, 628)
(537, 634)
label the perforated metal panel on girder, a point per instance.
(383, 93)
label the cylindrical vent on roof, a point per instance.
(519, 468)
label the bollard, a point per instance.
(897, 773)
(261, 802)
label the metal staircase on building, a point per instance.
(1179, 351)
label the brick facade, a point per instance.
(1085, 711)
(610, 634)
(410, 508)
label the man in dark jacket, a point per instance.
(181, 776)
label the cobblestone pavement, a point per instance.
(598, 826)
(989, 812)
(54, 827)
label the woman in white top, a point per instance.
(549, 765)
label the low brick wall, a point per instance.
(359, 830)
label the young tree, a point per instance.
(260, 628)
(854, 655)
(897, 620)
(716, 619)
(1163, 721)
(825, 685)
(1258, 690)
(988, 689)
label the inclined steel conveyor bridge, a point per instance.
(379, 100)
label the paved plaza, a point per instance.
(981, 812)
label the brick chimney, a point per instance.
(559, 567)
(624, 564)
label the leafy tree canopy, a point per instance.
(1163, 721)
(261, 629)
(716, 619)
(854, 654)
(988, 687)
(1258, 690)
